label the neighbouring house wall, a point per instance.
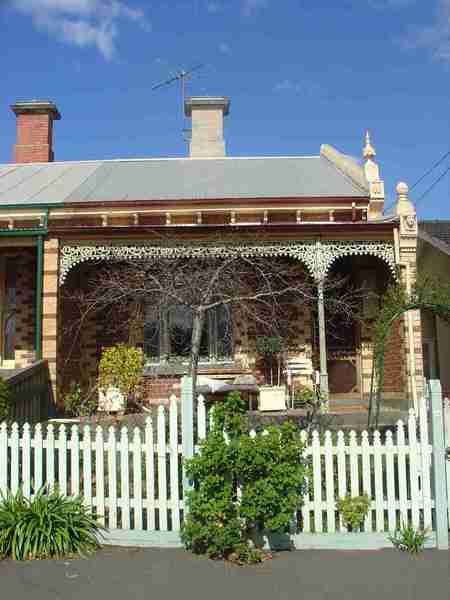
(434, 261)
(443, 344)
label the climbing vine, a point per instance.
(428, 294)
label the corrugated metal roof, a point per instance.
(174, 179)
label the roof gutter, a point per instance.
(23, 205)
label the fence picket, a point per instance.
(317, 483)
(74, 461)
(402, 487)
(342, 472)
(390, 483)
(174, 471)
(201, 418)
(329, 483)
(87, 466)
(378, 482)
(137, 478)
(162, 463)
(112, 478)
(306, 505)
(413, 469)
(14, 443)
(62, 460)
(26, 461)
(353, 451)
(50, 457)
(99, 476)
(124, 479)
(38, 443)
(150, 472)
(367, 483)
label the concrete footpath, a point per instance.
(122, 574)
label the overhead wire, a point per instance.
(433, 185)
(422, 177)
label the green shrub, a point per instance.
(5, 401)
(305, 397)
(121, 366)
(80, 402)
(353, 510)
(409, 539)
(50, 525)
(242, 485)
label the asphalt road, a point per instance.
(122, 574)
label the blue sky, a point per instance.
(299, 73)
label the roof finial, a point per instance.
(369, 150)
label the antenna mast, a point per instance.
(182, 76)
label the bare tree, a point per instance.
(261, 288)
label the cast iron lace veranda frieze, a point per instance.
(316, 256)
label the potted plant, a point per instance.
(272, 395)
(119, 373)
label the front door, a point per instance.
(342, 357)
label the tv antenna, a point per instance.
(182, 76)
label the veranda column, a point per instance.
(50, 309)
(322, 342)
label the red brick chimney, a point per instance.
(34, 142)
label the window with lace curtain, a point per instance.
(168, 333)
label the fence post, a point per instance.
(439, 468)
(187, 426)
(447, 442)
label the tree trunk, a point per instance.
(197, 330)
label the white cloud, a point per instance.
(435, 37)
(214, 7)
(82, 22)
(250, 7)
(287, 85)
(224, 48)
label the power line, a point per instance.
(431, 169)
(428, 172)
(434, 184)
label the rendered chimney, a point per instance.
(207, 114)
(34, 141)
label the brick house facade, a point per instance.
(60, 219)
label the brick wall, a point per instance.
(394, 360)
(25, 308)
(50, 316)
(34, 138)
(157, 390)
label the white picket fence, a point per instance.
(133, 480)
